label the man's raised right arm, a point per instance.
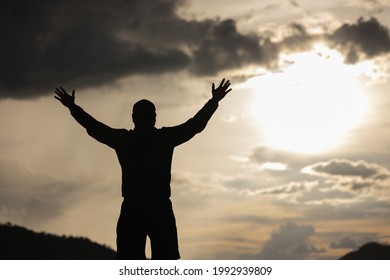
(96, 129)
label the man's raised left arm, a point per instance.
(196, 124)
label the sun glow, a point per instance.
(311, 105)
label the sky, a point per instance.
(293, 165)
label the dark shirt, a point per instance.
(145, 156)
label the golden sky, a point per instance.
(293, 165)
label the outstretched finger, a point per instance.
(58, 92)
(63, 91)
(221, 84)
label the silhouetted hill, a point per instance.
(18, 243)
(369, 251)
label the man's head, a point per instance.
(144, 114)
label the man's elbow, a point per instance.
(199, 126)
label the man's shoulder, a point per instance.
(120, 133)
(166, 130)
(122, 130)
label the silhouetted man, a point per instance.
(145, 156)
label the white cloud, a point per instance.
(240, 159)
(276, 166)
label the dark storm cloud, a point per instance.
(297, 39)
(226, 48)
(46, 43)
(363, 39)
(87, 43)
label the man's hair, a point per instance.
(144, 113)
(144, 107)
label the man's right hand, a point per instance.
(66, 99)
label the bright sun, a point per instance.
(312, 104)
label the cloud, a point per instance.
(297, 39)
(198, 184)
(341, 168)
(91, 43)
(281, 166)
(345, 243)
(226, 48)
(351, 240)
(251, 219)
(265, 154)
(360, 178)
(275, 166)
(290, 192)
(290, 242)
(80, 43)
(342, 190)
(29, 198)
(370, 6)
(295, 4)
(364, 39)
